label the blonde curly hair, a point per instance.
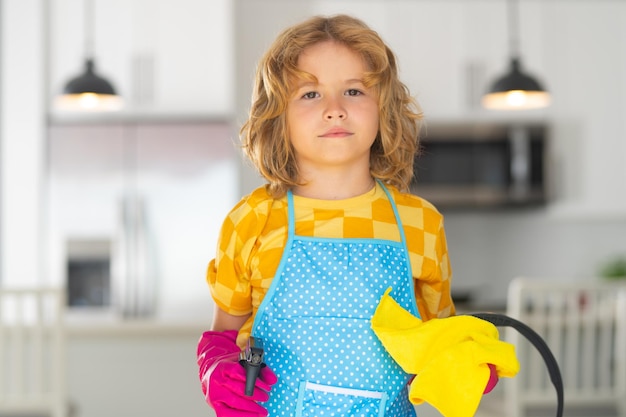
(264, 135)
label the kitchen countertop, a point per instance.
(134, 328)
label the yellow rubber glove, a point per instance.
(448, 356)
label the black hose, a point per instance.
(534, 338)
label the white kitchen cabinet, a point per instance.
(414, 44)
(134, 369)
(164, 56)
(586, 66)
(448, 51)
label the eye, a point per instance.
(353, 92)
(310, 95)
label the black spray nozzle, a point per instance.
(252, 360)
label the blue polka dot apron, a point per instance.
(315, 326)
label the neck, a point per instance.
(338, 187)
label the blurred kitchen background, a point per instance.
(122, 209)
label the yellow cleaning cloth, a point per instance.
(448, 356)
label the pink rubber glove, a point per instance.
(224, 379)
(493, 379)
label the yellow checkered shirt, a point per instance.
(254, 234)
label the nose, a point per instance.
(335, 110)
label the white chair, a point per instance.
(32, 346)
(584, 324)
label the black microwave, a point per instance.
(482, 165)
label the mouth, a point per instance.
(336, 133)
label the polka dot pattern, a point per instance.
(315, 323)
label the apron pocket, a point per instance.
(315, 400)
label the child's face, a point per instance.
(332, 123)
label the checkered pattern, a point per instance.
(255, 232)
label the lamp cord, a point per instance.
(88, 30)
(514, 30)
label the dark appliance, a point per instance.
(478, 165)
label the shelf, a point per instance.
(135, 116)
(578, 212)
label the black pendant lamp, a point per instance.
(515, 90)
(89, 91)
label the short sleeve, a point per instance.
(433, 287)
(227, 274)
(428, 252)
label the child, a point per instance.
(304, 260)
